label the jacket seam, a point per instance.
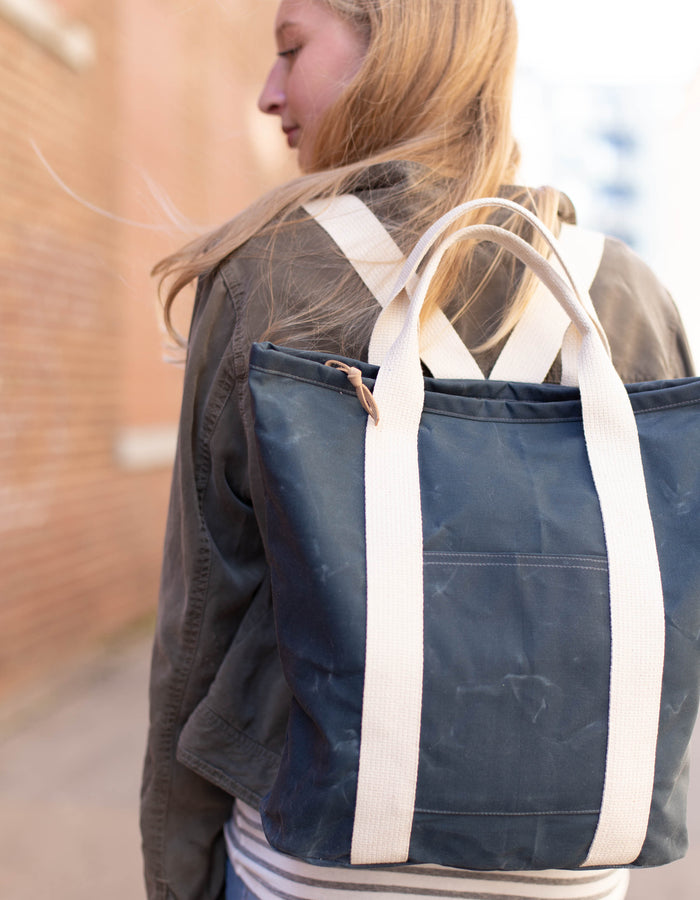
(236, 294)
(192, 625)
(240, 737)
(217, 776)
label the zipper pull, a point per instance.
(363, 392)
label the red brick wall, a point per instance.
(170, 98)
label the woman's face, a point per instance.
(318, 53)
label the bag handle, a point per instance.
(378, 261)
(538, 335)
(438, 228)
(392, 698)
(566, 293)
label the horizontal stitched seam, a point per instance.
(516, 564)
(455, 415)
(238, 736)
(458, 415)
(312, 381)
(650, 409)
(504, 420)
(545, 812)
(216, 776)
(515, 555)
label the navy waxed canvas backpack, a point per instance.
(487, 597)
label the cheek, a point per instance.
(309, 95)
(319, 83)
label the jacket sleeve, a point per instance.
(642, 323)
(213, 565)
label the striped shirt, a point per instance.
(272, 875)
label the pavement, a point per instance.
(70, 765)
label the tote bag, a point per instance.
(487, 602)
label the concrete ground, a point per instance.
(70, 766)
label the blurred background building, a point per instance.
(113, 116)
(126, 126)
(608, 110)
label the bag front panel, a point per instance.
(517, 646)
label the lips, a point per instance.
(292, 133)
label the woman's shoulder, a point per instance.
(639, 316)
(291, 268)
(637, 312)
(283, 272)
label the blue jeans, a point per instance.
(235, 889)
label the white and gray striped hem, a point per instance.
(272, 875)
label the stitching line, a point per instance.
(544, 812)
(269, 370)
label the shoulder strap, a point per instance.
(544, 323)
(378, 260)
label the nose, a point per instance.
(272, 97)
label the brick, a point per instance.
(169, 99)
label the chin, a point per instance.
(305, 155)
(303, 162)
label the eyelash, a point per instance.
(287, 54)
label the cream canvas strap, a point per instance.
(392, 698)
(378, 261)
(544, 322)
(533, 344)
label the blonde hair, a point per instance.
(434, 90)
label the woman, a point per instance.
(405, 103)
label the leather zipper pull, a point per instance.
(363, 392)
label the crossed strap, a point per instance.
(532, 346)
